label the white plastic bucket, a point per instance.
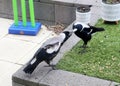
(83, 17)
(110, 12)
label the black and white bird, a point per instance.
(85, 31)
(47, 51)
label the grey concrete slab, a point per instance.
(31, 80)
(16, 84)
(1, 6)
(96, 10)
(94, 18)
(64, 78)
(13, 50)
(45, 11)
(64, 14)
(8, 7)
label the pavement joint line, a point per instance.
(20, 39)
(27, 53)
(11, 62)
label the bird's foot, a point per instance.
(83, 51)
(83, 46)
(51, 65)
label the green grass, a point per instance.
(102, 58)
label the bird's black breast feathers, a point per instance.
(83, 35)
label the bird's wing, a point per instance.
(52, 45)
(52, 41)
(85, 25)
(54, 48)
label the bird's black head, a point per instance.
(77, 27)
(67, 35)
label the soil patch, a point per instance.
(84, 8)
(111, 1)
(57, 28)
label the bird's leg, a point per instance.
(84, 48)
(48, 62)
(52, 65)
(83, 51)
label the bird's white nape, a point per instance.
(55, 48)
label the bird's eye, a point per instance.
(47, 47)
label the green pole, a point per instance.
(15, 11)
(23, 7)
(32, 16)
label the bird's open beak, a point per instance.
(71, 32)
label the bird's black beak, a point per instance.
(70, 33)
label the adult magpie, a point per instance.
(85, 31)
(47, 51)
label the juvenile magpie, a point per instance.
(85, 31)
(47, 51)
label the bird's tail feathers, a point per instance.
(29, 69)
(31, 65)
(100, 29)
(97, 29)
